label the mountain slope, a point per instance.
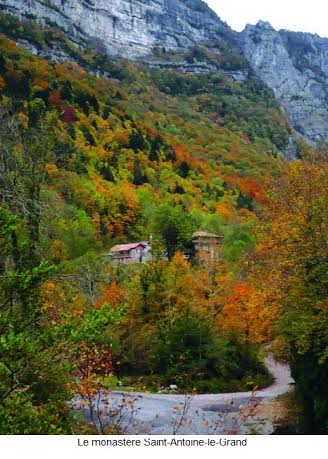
(139, 139)
(294, 66)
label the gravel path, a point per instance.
(161, 414)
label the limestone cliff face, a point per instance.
(129, 27)
(295, 66)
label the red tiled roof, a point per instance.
(127, 247)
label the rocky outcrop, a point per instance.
(128, 27)
(295, 66)
(197, 67)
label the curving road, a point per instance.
(205, 414)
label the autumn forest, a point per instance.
(96, 153)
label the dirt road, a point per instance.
(205, 414)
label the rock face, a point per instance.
(295, 66)
(129, 27)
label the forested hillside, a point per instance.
(87, 162)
